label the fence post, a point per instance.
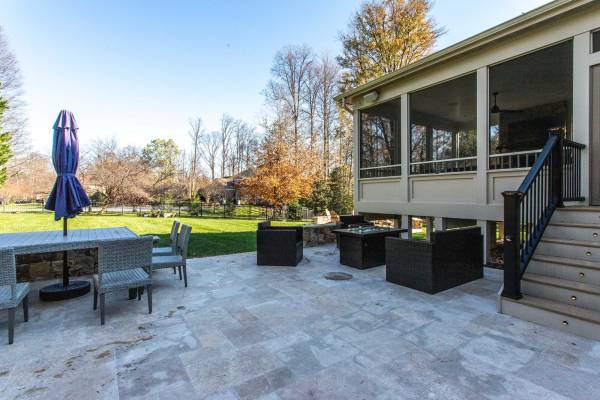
(557, 172)
(512, 242)
(200, 208)
(122, 209)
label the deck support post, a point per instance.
(512, 240)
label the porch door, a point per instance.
(595, 139)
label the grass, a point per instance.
(210, 236)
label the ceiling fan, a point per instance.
(495, 109)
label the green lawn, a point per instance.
(210, 236)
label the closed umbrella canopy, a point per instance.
(68, 197)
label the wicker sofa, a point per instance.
(450, 259)
(278, 245)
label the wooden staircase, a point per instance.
(561, 286)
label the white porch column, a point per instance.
(407, 224)
(489, 234)
(356, 157)
(404, 148)
(581, 104)
(482, 135)
(441, 223)
(429, 227)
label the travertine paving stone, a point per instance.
(240, 332)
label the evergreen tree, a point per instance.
(5, 149)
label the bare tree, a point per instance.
(312, 87)
(117, 173)
(328, 76)
(195, 133)
(242, 139)
(290, 71)
(209, 149)
(11, 91)
(228, 124)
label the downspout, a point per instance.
(346, 107)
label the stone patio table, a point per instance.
(364, 247)
(55, 241)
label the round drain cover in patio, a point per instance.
(338, 276)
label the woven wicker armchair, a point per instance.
(11, 292)
(179, 259)
(450, 259)
(278, 245)
(123, 264)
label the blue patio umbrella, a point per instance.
(67, 198)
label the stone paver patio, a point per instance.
(245, 332)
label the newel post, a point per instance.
(557, 172)
(512, 240)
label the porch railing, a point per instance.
(516, 159)
(463, 164)
(383, 171)
(554, 177)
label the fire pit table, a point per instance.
(364, 247)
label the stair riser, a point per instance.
(551, 319)
(566, 272)
(573, 233)
(579, 217)
(562, 295)
(568, 251)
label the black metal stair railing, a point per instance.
(554, 177)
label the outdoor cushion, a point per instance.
(162, 251)
(166, 261)
(5, 295)
(123, 279)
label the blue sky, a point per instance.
(137, 70)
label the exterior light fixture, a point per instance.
(371, 96)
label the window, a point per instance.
(596, 41)
(530, 97)
(380, 141)
(443, 126)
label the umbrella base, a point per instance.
(58, 292)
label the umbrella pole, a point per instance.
(65, 258)
(65, 270)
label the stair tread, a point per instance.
(562, 283)
(579, 208)
(575, 225)
(561, 308)
(571, 262)
(582, 243)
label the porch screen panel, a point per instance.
(443, 126)
(380, 141)
(530, 98)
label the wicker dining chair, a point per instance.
(172, 248)
(179, 259)
(123, 264)
(11, 292)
